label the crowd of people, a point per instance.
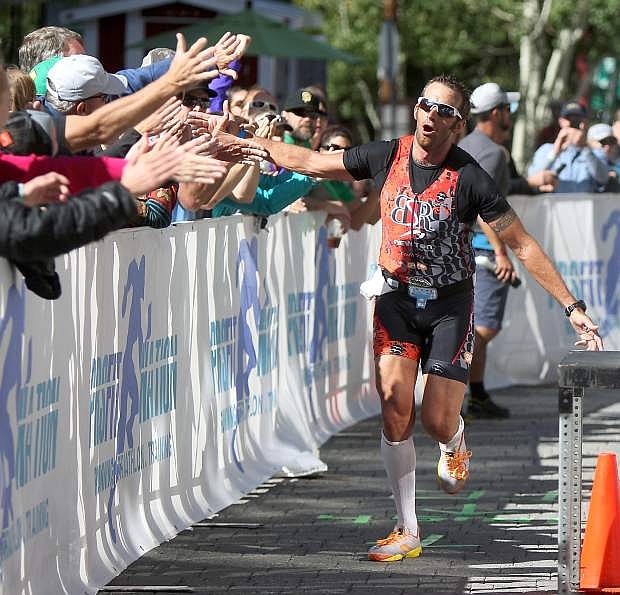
(84, 152)
(157, 138)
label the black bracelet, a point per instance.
(578, 304)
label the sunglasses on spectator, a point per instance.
(443, 109)
(193, 101)
(101, 96)
(609, 142)
(333, 147)
(263, 105)
(303, 113)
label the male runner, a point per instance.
(431, 194)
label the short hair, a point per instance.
(60, 105)
(453, 83)
(333, 131)
(44, 43)
(22, 90)
(157, 55)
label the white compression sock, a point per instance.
(399, 461)
(453, 444)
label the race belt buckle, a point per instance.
(421, 295)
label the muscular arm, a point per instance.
(106, 123)
(306, 161)
(511, 231)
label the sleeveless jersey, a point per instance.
(423, 241)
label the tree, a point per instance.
(528, 45)
(552, 33)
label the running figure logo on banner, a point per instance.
(124, 389)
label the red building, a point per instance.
(110, 27)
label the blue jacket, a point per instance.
(580, 169)
(272, 195)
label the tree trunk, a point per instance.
(538, 92)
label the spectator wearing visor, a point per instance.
(604, 145)
(578, 168)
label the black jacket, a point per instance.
(30, 237)
(33, 233)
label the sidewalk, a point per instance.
(498, 536)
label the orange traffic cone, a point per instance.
(600, 554)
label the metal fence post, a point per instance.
(569, 488)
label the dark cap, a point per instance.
(573, 110)
(204, 87)
(303, 100)
(29, 134)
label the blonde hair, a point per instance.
(22, 90)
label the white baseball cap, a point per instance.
(599, 132)
(78, 77)
(485, 97)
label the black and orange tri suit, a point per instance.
(427, 214)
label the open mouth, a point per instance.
(428, 129)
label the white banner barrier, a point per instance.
(178, 371)
(581, 234)
(182, 368)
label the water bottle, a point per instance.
(486, 263)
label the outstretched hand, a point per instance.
(192, 66)
(228, 49)
(587, 331)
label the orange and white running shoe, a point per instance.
(399, 544)
(453, 468)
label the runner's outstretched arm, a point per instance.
(511, 231)
(306, 161)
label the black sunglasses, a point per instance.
(263, 105)
(333, 147)
(193, 101)
(443, 109)
(303, 113)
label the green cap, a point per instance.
(39, 74)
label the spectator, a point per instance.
(490, 107)
(321, 122)
(364, 205)
(79, 85)
(577, 167)
(258, 102)
(30, 237)
(604, 144)
(274, 190)
(300, 112)
(48, 42)
(21, 88)
(236, 99)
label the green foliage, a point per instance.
(353, 26)
(477, 40)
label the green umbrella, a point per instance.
(269, 38)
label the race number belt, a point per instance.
(421, 293)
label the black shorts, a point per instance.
(440, 336)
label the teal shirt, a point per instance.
(272, 195)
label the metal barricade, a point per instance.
(578, 371)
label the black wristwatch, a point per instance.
(578, 304)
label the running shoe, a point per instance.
(486, 409)
(399, 544)
(453, 468)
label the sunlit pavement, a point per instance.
(311, 535)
